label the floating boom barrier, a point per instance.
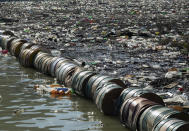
(138, 109)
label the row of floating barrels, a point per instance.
(137, 109)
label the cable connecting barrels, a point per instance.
(137, 109)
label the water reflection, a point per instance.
(21, 108)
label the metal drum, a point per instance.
(45, 64)
(27, 57)
(132, 109)
(26, 46)
(49, 65)
(67, 76)
(56, 63)
(22, 57)
(89, 85)
(59, 71)
(99, 81)
(15, 46)
(38, 57)
(154, 114)
(107, 97)
(171, 125)
(65, 70)
(79, 81)
(132, 92)
(42, 65)
(42, 61)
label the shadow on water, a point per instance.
(21, 108)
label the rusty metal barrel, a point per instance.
(133, 92)
(38, 57)
(15, 46)
(42, 62)
(154, 114)
(106, 98)
(99, 81)
(132, 109)
(171, 124)
(65, 71)
(79, 81)
(45, 65)
(89, 85)
(26, 45)
(56, 63)
(49, 65)
(27, 57)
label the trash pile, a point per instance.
(138, 108)
(143, 43)
(108, 35)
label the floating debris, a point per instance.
(53, 89)
(18, 111)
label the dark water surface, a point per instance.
(22, 109)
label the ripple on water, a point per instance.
(51, 122)
(3, 74)
(5, 118)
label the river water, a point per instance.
(23, 109)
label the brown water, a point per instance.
(22, 109)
